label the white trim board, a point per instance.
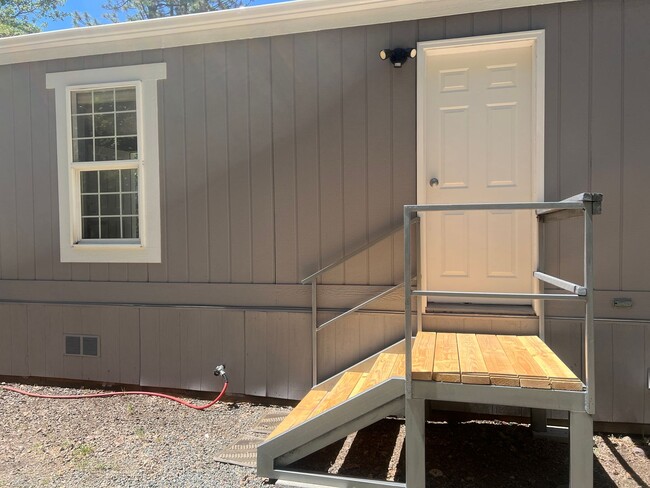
(242, 23)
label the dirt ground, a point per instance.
(148, 442)
(483, 454)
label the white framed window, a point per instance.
(108, 163)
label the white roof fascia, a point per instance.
(240, 23)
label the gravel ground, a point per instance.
(129, 441)
(150, 442)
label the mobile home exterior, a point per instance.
(242, 151)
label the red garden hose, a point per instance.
(219, 371)
(119, 393)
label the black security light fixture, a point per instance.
(398, 56)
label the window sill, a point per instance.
(110, 253)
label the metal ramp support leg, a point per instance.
(581, 454)
(415, 443)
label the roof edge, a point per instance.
(241, 23)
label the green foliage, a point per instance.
(27, 16)
(127, 10)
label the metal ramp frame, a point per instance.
(580, 405)
(405, 394)
(380, 401)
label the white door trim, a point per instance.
(535, 39)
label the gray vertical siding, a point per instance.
(279, 155)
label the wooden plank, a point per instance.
(301, 413)
(196, 162)
(531, 375)
(364, 370)
(239, 171)
(472, 365)
(284, 159)
(339, 393)
(562, 378)
(330, 154)
(175, 168)
(307, 142)
(358, 388)
(423, 351)
(217, 152)
(261, 161)
(501, 371)
(355, 161)
(256, 353)
(381, 370)
(446, 366)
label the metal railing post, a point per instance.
(419, 304)
(314, 333)
(408, 327)
(590, 398)
(541, 266)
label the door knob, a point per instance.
(433, 182)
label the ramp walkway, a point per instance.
(516, 370)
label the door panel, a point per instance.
(477, 142)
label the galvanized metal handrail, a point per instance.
(313, 279)
(588, 204)
(351, 254)
(360, 306)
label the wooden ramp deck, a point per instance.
(478, 359)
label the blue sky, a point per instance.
(93, 7)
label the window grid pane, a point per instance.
(109, 204)
(104, 125)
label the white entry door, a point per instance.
(477, 145)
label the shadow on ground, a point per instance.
(468, 454)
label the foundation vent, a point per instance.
(81, 345)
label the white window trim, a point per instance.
(145, 78)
